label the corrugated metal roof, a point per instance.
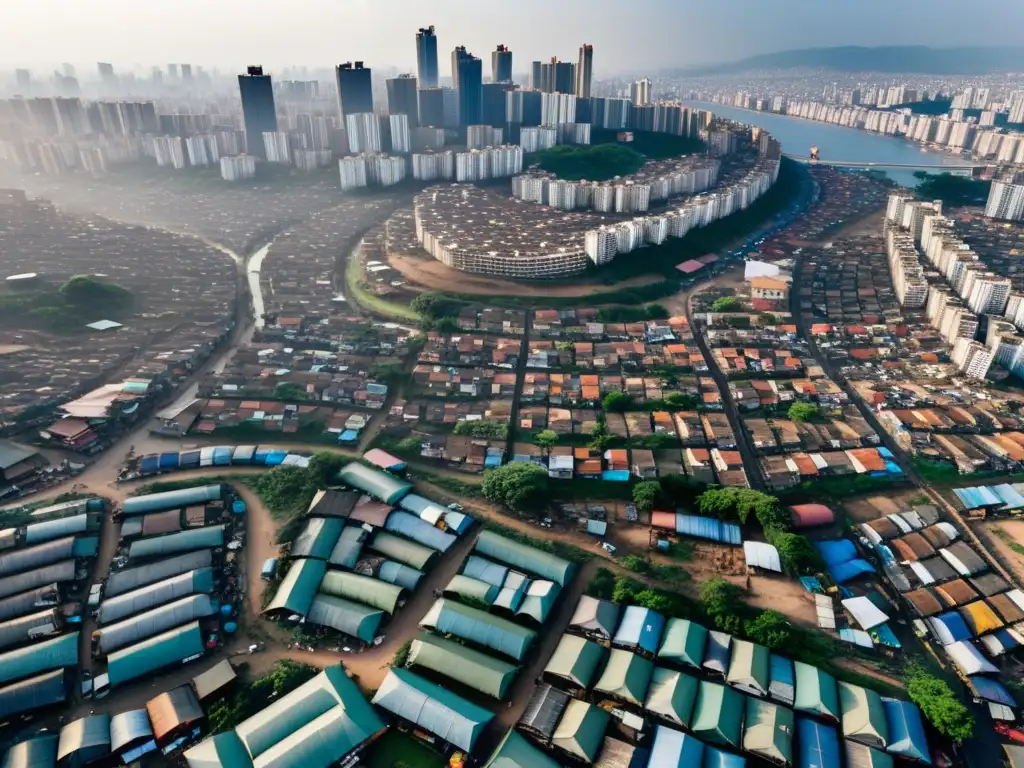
(88, 738)
(863, 756)
(354, 619)
(432, 708)
(155, 653)
(761, 555)
(33, 693)
(464, 665)
(708, 528)
(544, 710)
(530, 559)
(126, 727)
(212, 680)
(37, 752)
(449, 617)
(42, 657)
(364, 589)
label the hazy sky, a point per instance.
(626, 34)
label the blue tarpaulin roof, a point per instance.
(708, 528)
(883, 635)
(950, 628)
(616, 475)
(640, 627)
(906, 731)
(841, 559)
(978, 496)
(819, 744)
(991, 690)
(1009, 495)
(716, 758)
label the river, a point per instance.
(837, 142)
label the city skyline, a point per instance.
(687, 33)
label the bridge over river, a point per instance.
(964, 169)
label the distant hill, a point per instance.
(917, 59)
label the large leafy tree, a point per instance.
(939, 704)
(521, 486)
(769, 629)
(647, 495)
(796, 552)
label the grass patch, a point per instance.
(314, 434)
(580, 488)
(1008, 540)
(64, 308)
(396, 748)
(371, 301)
(458, 487)
(284, 677)
(597, 162)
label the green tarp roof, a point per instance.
(30, 660)
(464, 665)
(318, 537)
(354, 619)
(816, 691)
(37, 752)
(298, 587)
(593, 616)
(626, 676)
(433, 708)
(748, 667)
(539, 600)
(576, 659)
(717, 714)
(516, 752)
(193, 582)
(530, 559)
(174, 543)
(155, 653)
(402, 550)
(683, 642)
(380, 485)
(672, 695)
(363, 589)
(466, 586)
(863, 715)
(768, 730)
(317, 724)
(451, 618)
(581, 730)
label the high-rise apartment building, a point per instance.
(480, 136)
(426, 57)
(352, 172)
(584, 71)
(1005, 201)
(501, 65)
(494, 109)
(202, 150)
(972, 358)
(363, 131)
(523, 107)
(355, 89)
(403, 98)
(467, 77)
(431, 166)
(277, 147)
(238, 167)
(384, 170)
(401, 136)
(259, 114)
(23, 79)
(640, 92)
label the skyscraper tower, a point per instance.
(355, 91)
(584, 70)
(403, 98)
(258, 112)
(467, 76)
(501, 65)
(426, 57)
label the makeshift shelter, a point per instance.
(949, 628)
(674, 749)
(492, 573)
(174, 713)
(538, 600)
(112, 637)
(906, 730)
(432, 708)
(760, 555)
(420, 531)
(450, 618)
(811, 515)
(768, 731)
(863, 756)
(348, 547)
(131, 579)
(346, 616)
(980, 617)
(364, 589)
(298, 587)
(157, 502)
(748, 668)
(639, 629)
(37, 752)
(380, 485)
(33, 693)
(575, 660)
(581, 730)
(544, 710)
(816, 691)
(716, 652)
(209, 685)
(626, 676)
(819, 744)
(403, 550)
(969, 659)
(399, 574)
(782, 685)
(514, 751)
(318, 537)
(198, 581)
(717, 714)
(172, 647)
(84, 741)
(530, 559)
(594, 618)
(30, 660)
(963, 559)
(476, 670)
(671, 695)
(683, 643)
(864, 717)
(185, 541)
(865, 612)
(474, 589)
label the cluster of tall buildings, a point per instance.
(371, 169)
(953, 286)
(1005, 201)
(478, 164)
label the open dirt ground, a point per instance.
(435, 276)
(861, 509)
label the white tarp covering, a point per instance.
(826, 611)
(762, 555)
(865, 612)
(969, 659)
